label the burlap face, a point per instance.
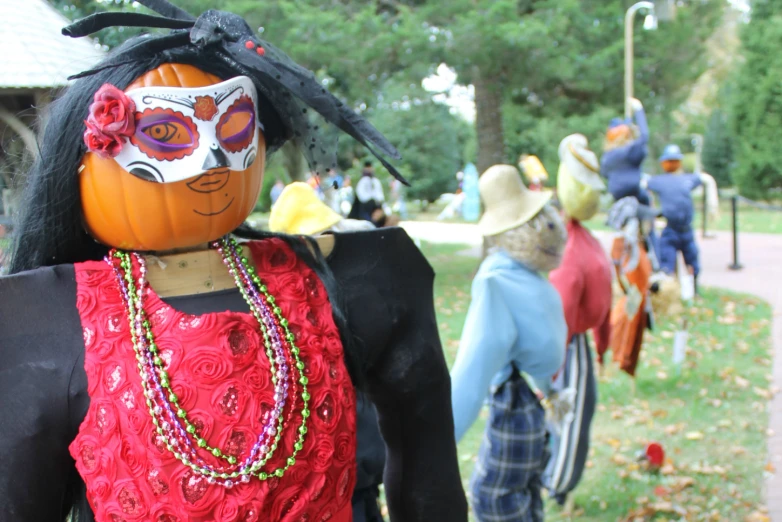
(537, 244)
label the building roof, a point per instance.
(34, 53)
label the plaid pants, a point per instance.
(506, 483)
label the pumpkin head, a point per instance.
(206, 199)
(671, 166)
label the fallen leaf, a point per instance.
(741, 382)
(668, 507)
(662, 375)
(661, 491)
(770, 467)
(614, 443)
(668, 469)
(757, 516)
(694, 435)
(619, 459)
(766, 394)
(681, 483)
(673, 429)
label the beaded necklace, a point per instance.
(172, 423)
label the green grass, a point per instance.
(711, 419)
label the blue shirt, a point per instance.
(673, 190)
(622, 166)
(515, 317)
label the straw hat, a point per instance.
(299, 211)
(508, 203)
(580, 162)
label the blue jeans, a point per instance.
(675, 240)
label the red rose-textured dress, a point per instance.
(221, 376)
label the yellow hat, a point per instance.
(532, 168)
(299, 211)
(578, 180)
(508, 202)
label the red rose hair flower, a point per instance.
(110, 122)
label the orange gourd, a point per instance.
(123, 211)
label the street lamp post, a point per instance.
(659, 9)
(629, 18)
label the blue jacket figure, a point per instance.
(673, 189)
(624, 153)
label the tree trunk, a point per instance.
(488, 121)
(294, 162)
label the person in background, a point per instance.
(277, 189)
(398, 197)
(513, 341)
(314, 182)
(369, 194)
(346, 196)
(300, 212)
(331, 190)
(673, 190)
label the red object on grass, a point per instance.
(655, 454)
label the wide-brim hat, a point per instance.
(299, 211)
(507, 201)
(672, 153)
(581, 163)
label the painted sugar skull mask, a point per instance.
(184, 132)
(175, 161)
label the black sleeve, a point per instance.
(388, 288)
(40, 345)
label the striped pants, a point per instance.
(570, 437)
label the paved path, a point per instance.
(761, 255)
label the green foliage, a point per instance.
(718, 149)
(429, 137)
(757, 103)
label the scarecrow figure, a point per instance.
(583, 281)
(154, 366)
(673, 190)
(513, 341)
(625, 150)
(632, 312)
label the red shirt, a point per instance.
(222, 376)
(583, 281)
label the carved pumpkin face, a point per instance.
(123, 210)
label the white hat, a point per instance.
(580, 162)
(508, 203)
